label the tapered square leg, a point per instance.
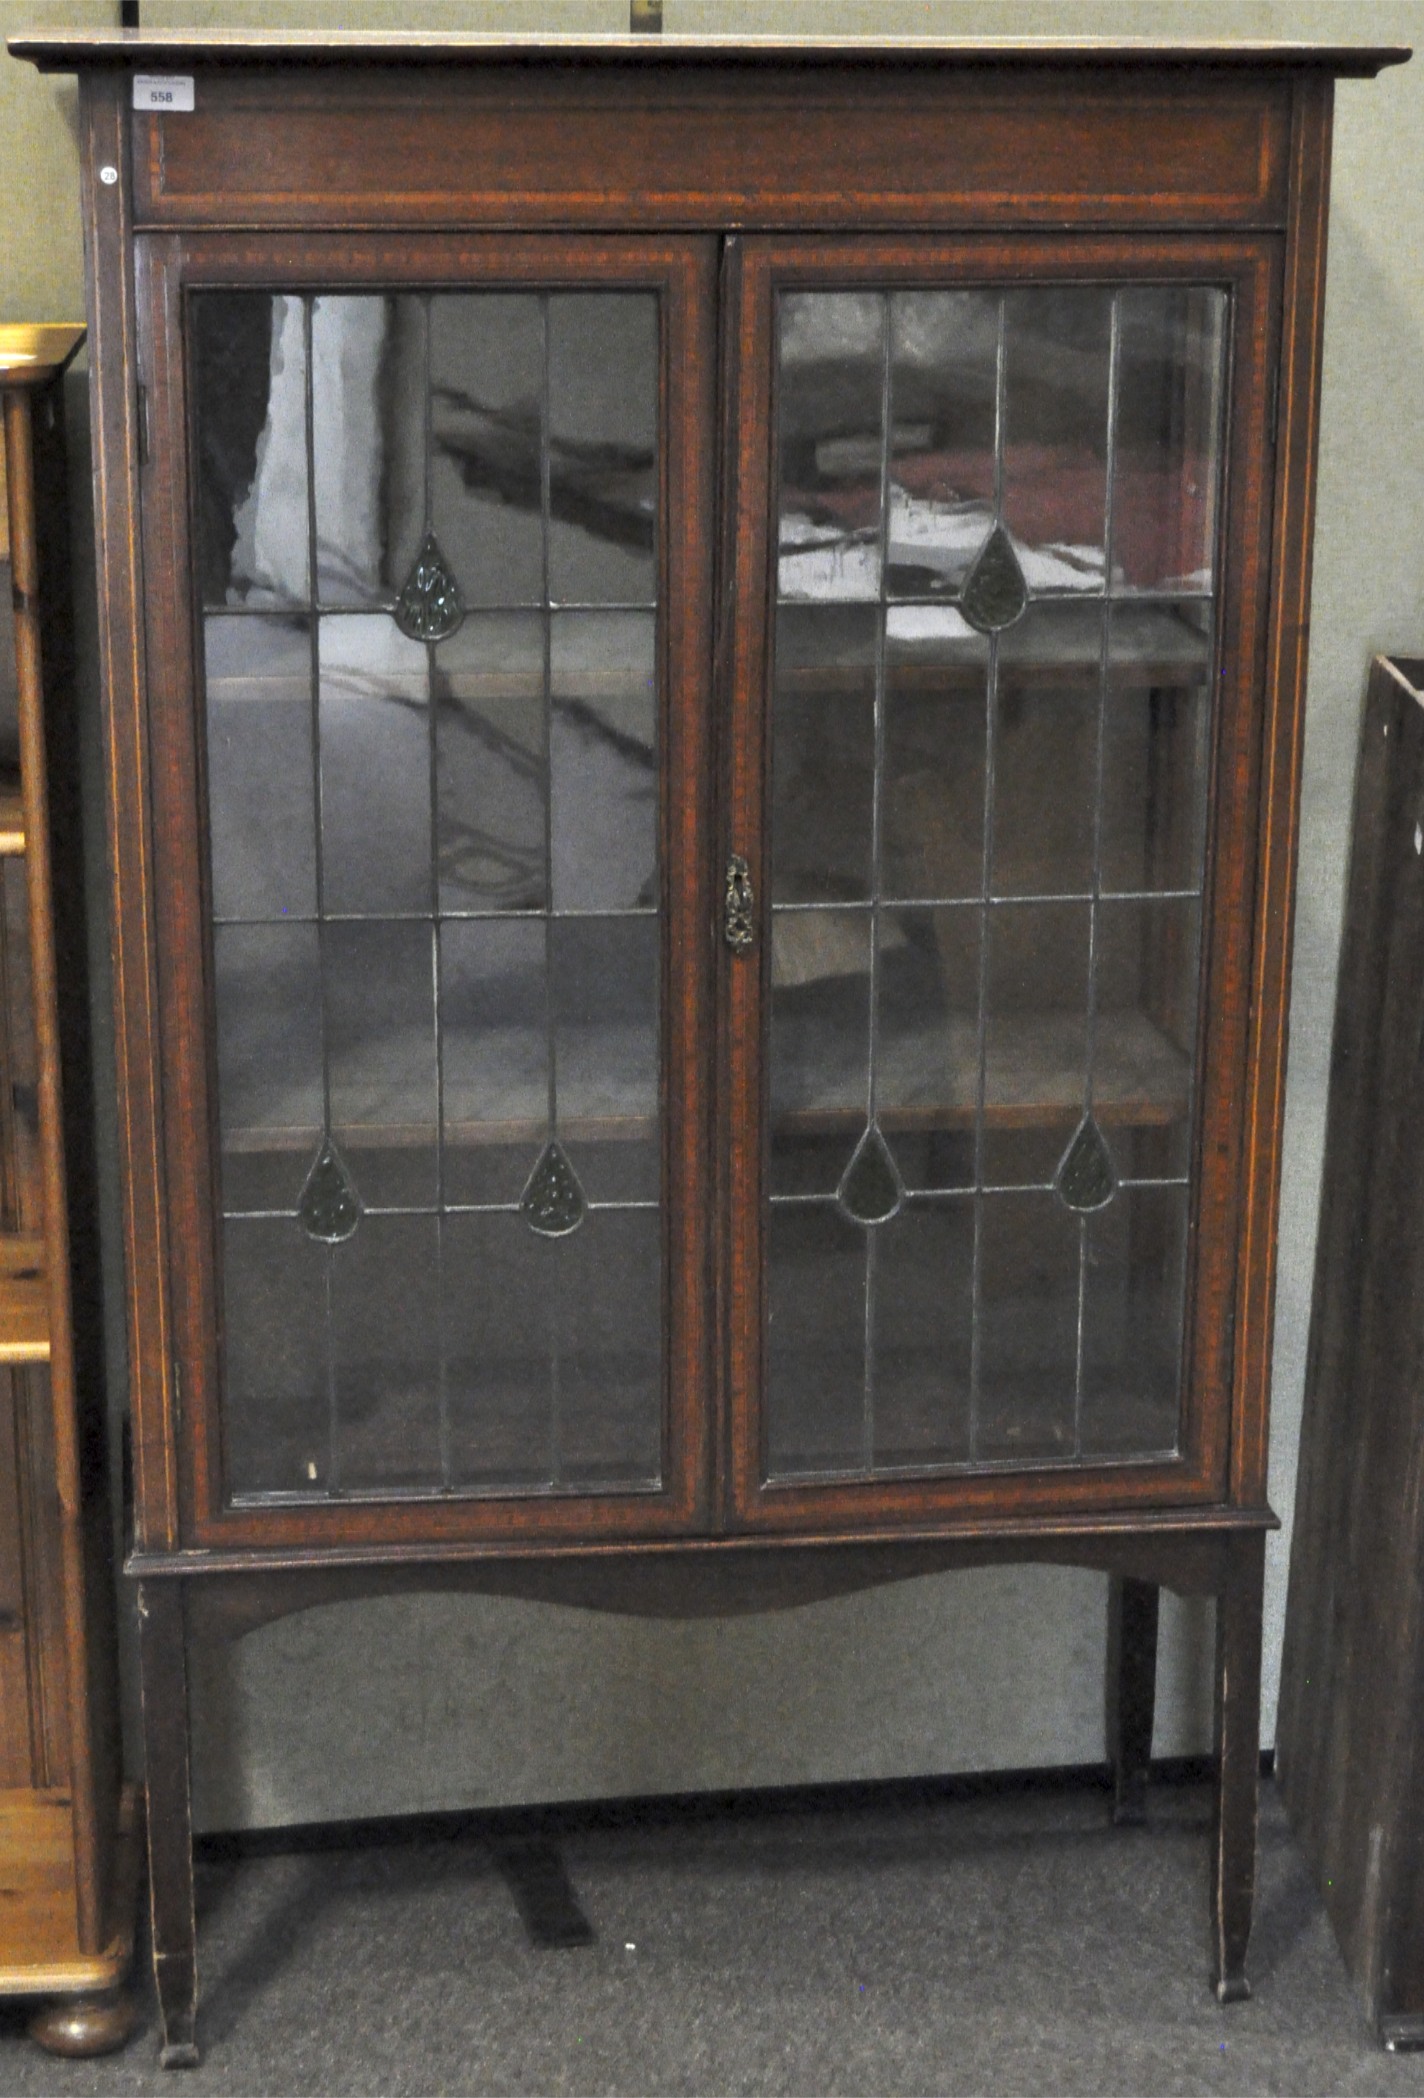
(164, 1673)
(1131, 1691)
(1238, 1734)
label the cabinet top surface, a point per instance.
(71, 51)
(31, 353)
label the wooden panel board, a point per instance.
(872, 145)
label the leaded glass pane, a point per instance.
(943, 408)
(261, 809)
(831, 420)
(267, 994)
(374, 725)
(495, 1065)
(250, 473)
(432, 769)
(932, 783)
(385, 1368)
(602, 448)
(990, 713)
(492, 766)
(487, 386)
(368, 443)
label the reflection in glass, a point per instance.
(607, 1339)
(932, 791)
(435, 875)
(1035, 1038)
(823, 773)
(1057, 359)
(553, 1353)
(368, 443)
(603, 1006)
(380, 1025)
(820, 1026)
(498, 1363)
(261, 809)
(924, 1312)
(927, 1045)
(385, 1341)
(943, 389)
(815, 1398)
(248, 381)
(277, 1415)
(375, 727)
(495, 1058)
(1155, 729)
(487, 362)
(1134, 1285)
(1046, 752)
(1166, 489)
(603, 760)
(830, 410)
(603, 394)
(267, 994)
(987, 797)
(492, 764)
(1028, 1327)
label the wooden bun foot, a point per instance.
(85, 2025)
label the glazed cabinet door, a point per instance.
(427, 530)
(998, 534)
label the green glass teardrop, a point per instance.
(1085, 1177)
(329, 1209)
(995, 592)
(871, 1190)
(553, 1203)
(429, 607)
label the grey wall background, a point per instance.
(445, 1702)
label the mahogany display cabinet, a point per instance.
(703, 654)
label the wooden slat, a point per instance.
(12, 819)
(24, 1301)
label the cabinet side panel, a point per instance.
(1297, 439)
(116, 470)
(1349, 1688)
(528, 146)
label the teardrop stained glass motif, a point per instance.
(429, 607)
(329, 1209)
(871, 1190)
(1085, 1177)
(553, 1203)
(995, 592)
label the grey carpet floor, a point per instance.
(897, 1942)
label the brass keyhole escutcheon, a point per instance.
(738, 904)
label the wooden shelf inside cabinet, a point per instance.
(700, 964)
(69, 1828)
